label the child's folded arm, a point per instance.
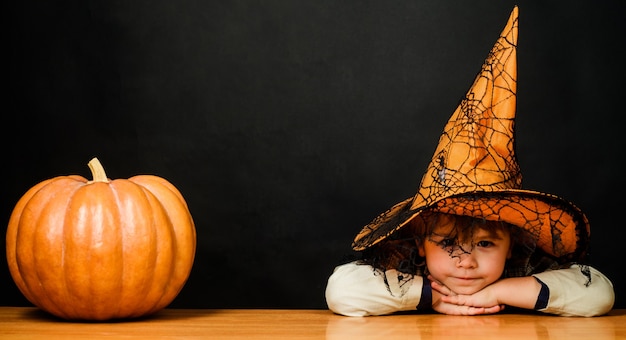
(573, 293)
(356, 290)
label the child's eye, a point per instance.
(446, 242)
(484, 244)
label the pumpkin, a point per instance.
(101, 249)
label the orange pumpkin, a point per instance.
(101, 249)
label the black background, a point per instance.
(288, 125)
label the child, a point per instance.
(471, 241)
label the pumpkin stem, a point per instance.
(97, 171)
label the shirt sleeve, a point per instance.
(357, 290)
(573, 293)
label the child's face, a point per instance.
(468, 266)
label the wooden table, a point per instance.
(30, 323)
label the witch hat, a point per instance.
(474, 170)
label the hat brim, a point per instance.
(559, 227)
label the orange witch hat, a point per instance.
(474, 170)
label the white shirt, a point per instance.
(357, 290)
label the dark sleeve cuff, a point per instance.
(426, 300)
(544, 296)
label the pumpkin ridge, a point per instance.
(69, 237)
(64, 261)
(24, 262)
(72, 237)
(141, 289)
(13, 232)
(183, 238)
(65, 310)
(94, 237)
(119, 312)
(61, 188)
(172, 270)
(68, 310)
(172, 237)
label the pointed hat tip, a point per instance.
(514, 14)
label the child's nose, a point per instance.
(466, 260)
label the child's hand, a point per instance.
(519, 292)
(446, 301)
